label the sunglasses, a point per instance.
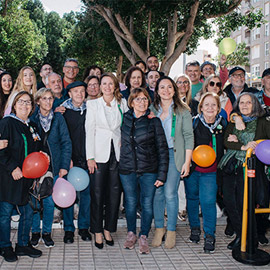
(218, 84)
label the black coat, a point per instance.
(144, 148)
(15, 192)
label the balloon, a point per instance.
(259, 141)
(78, 178)
(35, 165)
(64, 194)
(262, 151)
(227, 46)
(204, 155)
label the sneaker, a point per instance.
(209, 244)
(143, 245)
(182, 215)
(35, 239)
(15, 218)
(27, 251)
(85, 235)
(229, 232)
(9, 255)
(130, 241)
(195, 235)
(69, 237)
(263, 241)
(47, 240)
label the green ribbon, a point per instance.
(173, 125)
(25, 145)
(121, 114)
(214, 142)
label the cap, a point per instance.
(76, 84)
(266, 72)
(235, 69)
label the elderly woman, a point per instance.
(238, 142)
(5, 90)
(201, 185)
(143, 162)
(184, 90)
(93, 89)
(177, 123)
(26, 81)
(102, 125)
(134, 78)
(57, 144)
(23, 139)
(213, 84)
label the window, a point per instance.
(266, 8)
(255, 52)
(256, 34)
(266, 48)
(255, 70)
(266, 65)
(238, 39)
(266, 29)
(255, 1)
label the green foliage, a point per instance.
(239, 57)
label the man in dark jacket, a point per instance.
(75, 118)
(237, 84)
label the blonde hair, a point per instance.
(204, 96)
(188, 93)
(41, 92)
(207, 81)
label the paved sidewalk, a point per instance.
(84, 255)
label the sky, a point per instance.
(65, 6)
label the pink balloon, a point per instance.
(64, 194)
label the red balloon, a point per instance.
(35, 165)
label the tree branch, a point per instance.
(148, 32)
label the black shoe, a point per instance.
(235, 243)
(263, 241)
(47, 240)
(98, 245)
(35, 239)
(108, 242)
(229, 232)
(69, 237)
(195, 235)
(85, 235)
(27, 251)
(8, 254)
(209, 244)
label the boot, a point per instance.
(170, 239)
(158, 237)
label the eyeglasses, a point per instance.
(240, 75)
(218, 84)
(94, 85)
(184, 82)
(24, 102)
(139, 99)
(47, 99)
(70, 67)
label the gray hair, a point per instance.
(257, 109)
(71, 60)
(41, 92)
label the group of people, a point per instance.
(137, 137)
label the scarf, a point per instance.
(69, 105)
(213, 126)
(46, 121)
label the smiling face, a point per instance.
(70, 70)
(209, 107)
(77, 95)
(107, 86)
(183, 86)
(135, 79)
(28, 78)
(245, 105)
(95, 72)
(6, 83)
(152, 78)
(45, 103)
(55, 84)
(23, 107)
(207, 71)
(93, 88)
(214, 85)
(152, 63)
(165, 90)
(140, 104)
(194, 73)
(237, 79)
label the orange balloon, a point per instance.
(204, 155)
(35, 165)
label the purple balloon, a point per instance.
(64, 194)
(262, 151)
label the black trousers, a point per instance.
(105, 191)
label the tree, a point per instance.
(165, 28)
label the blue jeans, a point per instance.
(47, 220)
(24, 224)
(202, 188)
(84, 212)
(168, 195)
(130, 185)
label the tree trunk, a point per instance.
(119, 68)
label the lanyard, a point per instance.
(173, 125)
(120, 113)
(25, 145)
(214, 142)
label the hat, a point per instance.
(266, 72)
(76, 84)
(208, 63)
(235, 69)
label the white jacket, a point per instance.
(98, 132)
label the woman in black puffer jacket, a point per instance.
(144, 160)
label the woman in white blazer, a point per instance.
(103, 121)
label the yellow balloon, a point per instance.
(227, 46)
